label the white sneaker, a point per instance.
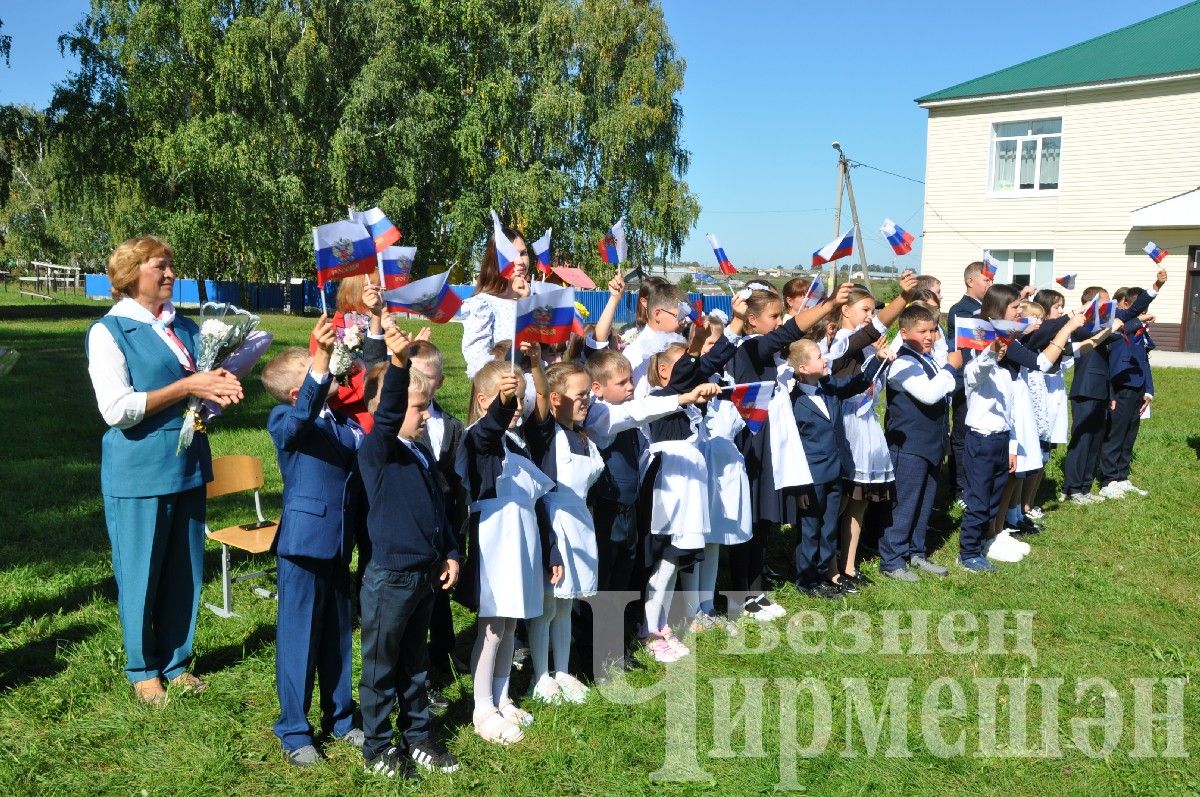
(1012, 542)
(1095, 498)
(773, 609)
(547, 690)
(1112, 490)
(1130, 487)
(996, 550)
(1035, 513)
(571, 688)
(1082, 499)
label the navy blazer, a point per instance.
(322, 493)
(825, 444)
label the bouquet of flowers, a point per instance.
(348, 347)
(223, 330)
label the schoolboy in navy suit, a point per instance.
(322, 504)
(414, 552)
(817, 408)
(915, 426)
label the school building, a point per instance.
(1071, 163)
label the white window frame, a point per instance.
(1004, 274)
(1016, 190)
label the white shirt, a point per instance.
(435, 427)
(811, 392)
(909, 377)
(120, 405)
(938, 352)
(990, 397)
(605, 421)
(487, 319)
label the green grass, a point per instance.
(1113, 590)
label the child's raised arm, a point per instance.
(534, 352)
(604, 324)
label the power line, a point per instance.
(885, 171)
(797, 210)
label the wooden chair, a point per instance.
(234, 474)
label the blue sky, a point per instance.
(769, 85)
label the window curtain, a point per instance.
(1051, 153)
(1005, 168)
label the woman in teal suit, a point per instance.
(141, 359)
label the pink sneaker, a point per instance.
(680, 649)
(661, 649)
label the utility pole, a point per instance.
(843, 174)
(844, 179)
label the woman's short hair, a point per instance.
(349, 294)
(125, 263)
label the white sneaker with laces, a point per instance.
(1112, 490)
(1095, 498)
(996, 550)
(1130, 487)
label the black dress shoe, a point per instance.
(437, 701)
(821, 589)
(846, 585)
(859, 578)
(1027, 526)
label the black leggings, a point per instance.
(746, 560)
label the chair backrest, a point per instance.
(235, 473)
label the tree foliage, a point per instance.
(231, 127)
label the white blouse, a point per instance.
(487, 319)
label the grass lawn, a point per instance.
(1112, 590)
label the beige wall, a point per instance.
(1121, 149)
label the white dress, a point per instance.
(487, 320)
(567, 508)
(1058, 402)
(868, 445)
(1029, 446)
(730, 518)
(510, 549)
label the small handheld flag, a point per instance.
(694, 312)
(1067, 281)
(429, 296)
(612, 246)
(834, 250)
(1007, 331)
(541, 250)
(900, 239)
(506, 252)
(722, 259)
(396, 263)
(545, 317)
(991, 266)
(1100, 314)
(1156, 254)
(751, 400)
(383, 232)
(580, 320)
(815, 293)
(343, 249)
(973, 333)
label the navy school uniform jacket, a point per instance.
(406, 521)
(1128, 363)
(912, 426)
(1092, 379)
(453, 490)
(824, 438)
(323, 499)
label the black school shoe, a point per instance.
(1027, 526)
(846, 585)
(859, 578)
(392, 764)
(437, 701)
(821, 589)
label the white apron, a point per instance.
(1029, 446)
(567, 508)
(680, 504)
(868, 445)
(730, 520)
(510, 549)
(789, 464)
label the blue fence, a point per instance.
(306, 295)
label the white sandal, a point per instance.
(512, 713)
(495, 728)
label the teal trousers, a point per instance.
(158, 561)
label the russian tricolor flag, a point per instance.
(722, 259)
(973, 333)
(900, 238)
(834, 250)
(383, 232)
(580, 320)
(612, 245)
(396, 262)
(545, 317)
(343, 249)
(506, 251)
(541, 250)
(1155, 253)
(1067, 281)
(751, 400)
(991, 266)
(1007, 331)
(815, 293)
(1105, 312)
(693, 312)
(429, 296)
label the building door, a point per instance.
(1191, 310)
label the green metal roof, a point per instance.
(1163, 45)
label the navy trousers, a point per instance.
(916, 486)
(313, 640)
(1088, 420)
(987, 471)
(957, 464)
(396, 605)
(1116, 452)
(818, 545)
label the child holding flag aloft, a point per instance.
(772, 459)
(872, 479)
